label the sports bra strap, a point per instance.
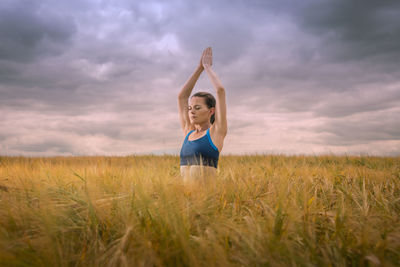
(209, 139)
(187, 136)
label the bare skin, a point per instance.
(195, 115)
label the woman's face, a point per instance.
(198, 111)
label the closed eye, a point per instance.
(195, 107)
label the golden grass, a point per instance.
(259, 211)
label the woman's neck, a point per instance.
(202, 127)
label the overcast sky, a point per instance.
(102, 77)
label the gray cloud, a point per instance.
(55, 146)
(355, 30)
(198, 26)
(359, 101)
(107, 73)
(376, 126)
(27, 34)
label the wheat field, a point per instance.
(260, 210)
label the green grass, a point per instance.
(259, 211)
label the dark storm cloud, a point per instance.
(26, 33)
(101, 53)
(338, 47)
(221, 25)
(355, 30)
(109, 71)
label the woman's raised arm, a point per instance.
(184, 96)
(221, 124)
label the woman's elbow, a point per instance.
(220, 90)
(183, 96)
(225, 132)
(222, 128)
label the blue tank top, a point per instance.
(201, 151)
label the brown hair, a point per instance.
(210, 102)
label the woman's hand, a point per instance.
(206, 58)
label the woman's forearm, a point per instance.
(190, 83)
(214, 79)
(220, 105)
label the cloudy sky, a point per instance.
(102, 77)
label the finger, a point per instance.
(209, 51)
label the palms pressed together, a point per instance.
(206, 58)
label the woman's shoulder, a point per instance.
(188, 129)
(217, 137)
(215, 131)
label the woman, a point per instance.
(204, 124)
